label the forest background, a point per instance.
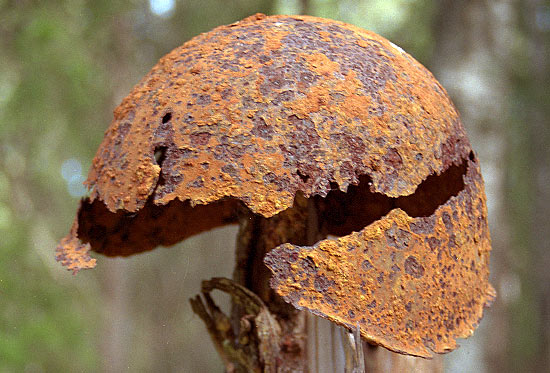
(64, 66)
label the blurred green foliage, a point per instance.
(52, 87)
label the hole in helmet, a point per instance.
(166, 118)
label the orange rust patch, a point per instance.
(362, 43)
(273, 40)
(320, 63)
(73, 254)
(325, 36)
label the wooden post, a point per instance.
(378, 359)
(257, 236)
(264, 333)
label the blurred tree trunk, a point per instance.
(115, 342)
(115, 339)
(534, 83)
(306, 7)
(472, 50)
(380, 360)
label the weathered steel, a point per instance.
(413, 285)
(270, 109)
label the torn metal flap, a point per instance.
(413, 285)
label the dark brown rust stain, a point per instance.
(413, 268)
(271, 108)
(124, 233)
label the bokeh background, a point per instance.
(64, 66)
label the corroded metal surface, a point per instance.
(269, 109)
(74, 254)
(412, 285)
(263, 108)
